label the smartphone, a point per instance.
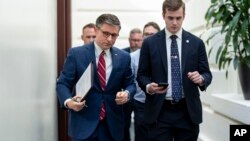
(162, 84)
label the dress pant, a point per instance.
(128, 108)
(141, 129)
(101, 133)
(174, 123)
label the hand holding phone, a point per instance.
(162, 84)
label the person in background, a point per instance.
(179, 58)
(141, 132)
(100, 116)
(88, 33)
(135, 40)
(150, 28)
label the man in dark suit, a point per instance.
(179, 58)
(103, 117)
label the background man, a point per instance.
(135, 40)
(88, 33)
(150, 28)
(141, 132)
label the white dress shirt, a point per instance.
(107, 58)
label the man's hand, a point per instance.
(196, 78)
(154, 88)
(76, 104)
(121, 97)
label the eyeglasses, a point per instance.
(136, 40)
(89, 37)
(107, 34)
(147, 34)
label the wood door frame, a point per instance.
(63, 44)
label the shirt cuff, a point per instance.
(202, 81)
(147, 86)
(128, 94)
(65, 102)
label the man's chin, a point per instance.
(174, 30)
(107, 46)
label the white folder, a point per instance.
(85, 82)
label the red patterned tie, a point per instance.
(102, 78)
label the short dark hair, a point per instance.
(108, 19)
(172, 5)
(153, 24)
(89, 25)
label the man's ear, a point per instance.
(82, 37)
(95, 28)
(163, 14)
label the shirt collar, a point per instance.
(98, 50)
(178, 34)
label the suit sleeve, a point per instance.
(144, 68)
(66, 80)
(204, 67)
(129, 83)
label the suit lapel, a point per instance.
(115, 64)
(163, 49)
(92, 57)
(91, 53)
(185, 49)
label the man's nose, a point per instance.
(109, 38)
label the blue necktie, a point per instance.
(175, 71)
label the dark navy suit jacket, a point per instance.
(153, 67)
(83, 123)
(127, 49)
